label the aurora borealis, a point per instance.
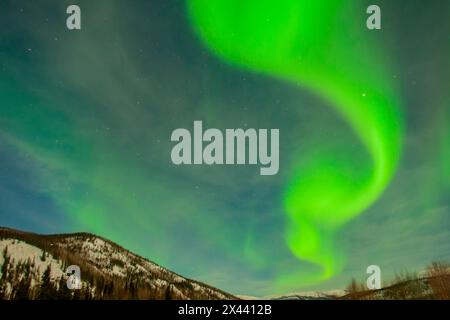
(298, 40)
(86, 118)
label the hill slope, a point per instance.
(33, 267)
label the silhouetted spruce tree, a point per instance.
(5, 271)
(168, 293)
(87, 294)
(78, 294)
(100, 286)
(22, 290)
(47, 290)
(63, 293)
(108, 290)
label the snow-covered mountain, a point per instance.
(34, 267)
(310, 295)
(307, 295)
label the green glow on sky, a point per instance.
(86, 119)
(309, 43)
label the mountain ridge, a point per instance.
(108, 270)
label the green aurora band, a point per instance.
(322, 45)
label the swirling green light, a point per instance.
(325, 46)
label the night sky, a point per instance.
(86, 118)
